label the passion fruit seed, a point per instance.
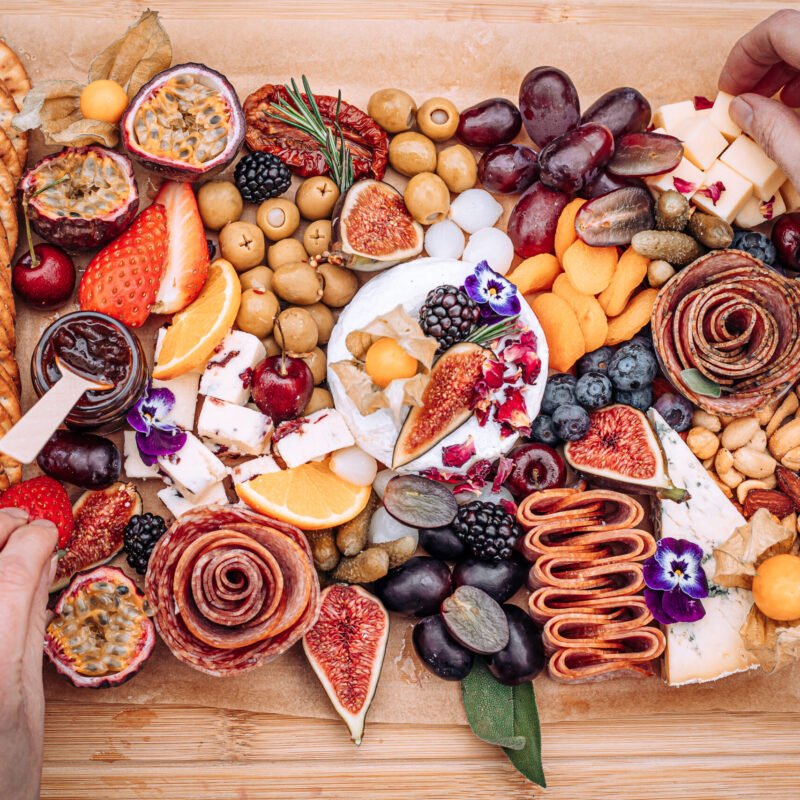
(419, 502)
(475, 620)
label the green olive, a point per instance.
(457, 168)
(323, 316)
(411, 153)
(242, 243)
(316, 197)
(257, 312)
(393, 109)
(437, 118)
(320, 398)
(278, 218)
(219, 202)
(286, 251)
(297, 283)
(339, 285)
(257, 278)
(317, 238)
(427, 198)
(318, 365)
(295, 330)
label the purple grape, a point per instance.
(549, 104)
(614, 218)
(417, 587)
(522, 659)
(533, 220)
(489, 123)
(639, 155)
(622, 110)
(499, 579)
(508, 168)
(604, 182)
(439, 651)
(575, 158)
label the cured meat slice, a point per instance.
(587, 581)
(232, 589)
(737, 323)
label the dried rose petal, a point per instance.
(767, 209)
(504, 467)
(713, 192)
(682, 186)
(509, 506)
(456, 455)
(493, 373)
(513, 412)
(701, 103)
(526, 358)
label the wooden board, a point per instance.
(176, 752)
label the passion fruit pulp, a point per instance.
(101, 632)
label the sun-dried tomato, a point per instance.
(368, 142)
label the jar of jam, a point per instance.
(100, 348)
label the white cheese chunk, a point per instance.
(712, 647)
(248, 470)
(720, 117)
(225, 374)
(193, 468)
(736, 192)
(177, 504)
(756, 211)
(702, 142)
(184, 387)
(672, 114)
(791, 196)
(687, 172)
(319, 434)
(237, 428)
(134, 467)
(753, 164)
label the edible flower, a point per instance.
(676, 582)
(495, 295)
(522, 353)
(512, 414)
(683, 186)
(702, 103)
(767, 209)
(456, 455)
(156, 434)
(713, 191)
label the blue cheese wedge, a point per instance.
(711, 648)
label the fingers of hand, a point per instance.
(10, 520)
(791, 92)
(775, 127)
(775, 40)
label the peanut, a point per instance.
(788, 406)
(759, 441)
(731, 477)
(785, 438)
(767, 411)
(726, 490)
(792, 459)
(790, 521)
(702, 442)
(707, 463)
(744, 488)
(702, 419)
(753, 463)
(739, 432)
(726, 419)
(723, 461)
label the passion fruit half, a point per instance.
(186, 123)
(81, 197)
(100, 633)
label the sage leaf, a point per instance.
(700, 384)
(490, 708)
(528, 760)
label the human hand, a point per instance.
(763, 61)
(27, 566)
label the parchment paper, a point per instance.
(467, 62)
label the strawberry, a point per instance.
(186, 267)
(43, 498)
(123, 278)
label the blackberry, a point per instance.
(448, 315)
(140, 537)
(757, 244)
(487, 529)
(260, 176)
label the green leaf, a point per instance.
(699, 384)
(490, 708)
(528, 760)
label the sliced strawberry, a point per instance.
(186, 268)
(43, 498)
(123, 278)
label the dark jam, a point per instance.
(92, 348)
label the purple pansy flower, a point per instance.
(676, 582)
(156, 435)
(495, 295)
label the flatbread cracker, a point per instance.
(10, 365)
(8, 216)
(12, 468)
(6, 181)
(8, 336)
(13, 74)
(8, 155)
(9, 400)
(5, 250)
(19, 139)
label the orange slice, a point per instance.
(309, 496)
(202, 325)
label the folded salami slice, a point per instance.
(232, 589)
(736, 322)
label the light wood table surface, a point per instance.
(196, 753)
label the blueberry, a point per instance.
(676, 410)
(542, 430)
(596, 361)
(757, 244)
(643, 339)
(638, 398)
(594, 390)
(571, 422)
(560, 389)
(632, 367)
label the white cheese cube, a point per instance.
(239, 429)
(319, 434)
(791, 196)
(756, 211)
(162, 332)
(720, 117)
(194, 468)
(702, 142)
(248, 470)
(736, 192)
(184, 387)
(689, 179)
(670, 115)
(752, 163)
(225, 375)
(134, 467)
(177, 504)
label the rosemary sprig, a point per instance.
(306, 117)
(488, 333)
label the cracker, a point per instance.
(6, 181)
(19, 139)
(5, 250)
(8, 155)
(9, 400)
(12, 467)
(13, 74)
(8, 216)
(10, 366)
